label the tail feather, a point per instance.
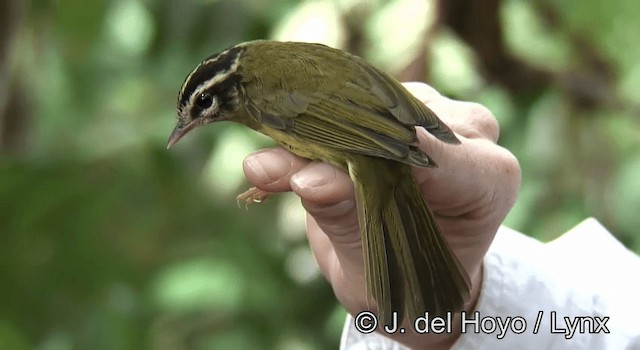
(411, 270)
(375, 255)
(440, 284)
(409, 267)
(384, 284)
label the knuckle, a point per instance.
(338, 220)
(510, 168)
(422, 91)
(337, 212)
(481, 118)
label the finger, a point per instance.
(271, 169)
(422, 91)
(470, 168)
(328, 196)
(342, 265)
(478, 131)
(469, 119)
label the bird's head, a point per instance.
(209, 93)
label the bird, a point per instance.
(328, 105)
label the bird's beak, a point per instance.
(179, 131)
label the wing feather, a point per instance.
(368, 112)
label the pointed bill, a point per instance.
(179, 131)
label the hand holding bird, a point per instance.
(470, 192)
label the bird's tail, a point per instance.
(409, 267)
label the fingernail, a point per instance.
(269, 167)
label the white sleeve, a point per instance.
(580, 291)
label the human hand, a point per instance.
(470, 193)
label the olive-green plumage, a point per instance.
(325, 104)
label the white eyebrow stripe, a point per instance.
(218, 78)
(204, 63)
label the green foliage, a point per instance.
(108, 241)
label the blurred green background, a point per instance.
(109, 241)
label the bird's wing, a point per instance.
(367, 112)
(399, 102)
(342, 125)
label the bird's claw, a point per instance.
(252, 195)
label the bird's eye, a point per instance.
(204, 101)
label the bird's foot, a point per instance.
(252, 195)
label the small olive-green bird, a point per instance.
(325, 104)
